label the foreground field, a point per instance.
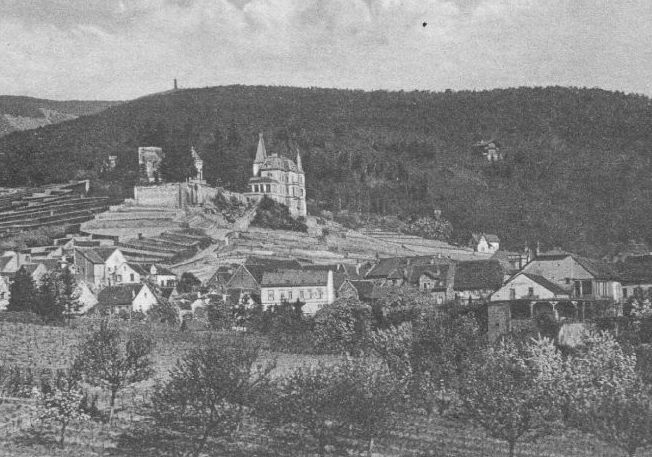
(39, 347)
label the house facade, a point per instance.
(314, 288)
(4, 293)
(100, 267)
(528, 286)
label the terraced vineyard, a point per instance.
(26, 209)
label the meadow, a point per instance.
(42, 347)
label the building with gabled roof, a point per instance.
(126, 297)
(476, 279)
(529, 286)
(99, 267)
(488, 243)
(278, 178)
(315, 288)
(580, 276)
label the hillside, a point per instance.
(576, 169)
(24, 113)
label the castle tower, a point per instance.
(299, 166)
(261, 154)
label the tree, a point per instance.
(509, 391)
(164, 312)
(61, 402)
(209, 391)
(343, 326)
(188, 283)
(623, 419)
(22, 293)
(304, 399)
(68, 296)
(368, 396)
(47, 300)
(108, 359)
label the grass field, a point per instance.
(40, 347)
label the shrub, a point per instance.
(276, 216)
(343, 327)
(288, 329)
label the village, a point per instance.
(170, 244)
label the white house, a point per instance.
(315, 288)
(529, 286)
(127, 297)
(486, 243)
(99, 267)
(86, 297)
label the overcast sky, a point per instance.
(121, 49)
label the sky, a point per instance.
(122, 49)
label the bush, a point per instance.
(288, 329)
(276, 216)
(343, 327)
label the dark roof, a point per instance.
(598, 268)
(294, 278)
(270, 264)
(365, 288)
(338, 279)
(276, 162)
(636, 272)
(105, 253)
(490, 237)
(221, 276)
(478, 274)
(140, 269)
(119, 295)
(91, 256)
(161, 270)
(385, 267)
(551, 286)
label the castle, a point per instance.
(278, 178)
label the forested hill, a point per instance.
(577, 170)
(22, 113)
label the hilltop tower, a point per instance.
(278, 178)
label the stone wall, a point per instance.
(166, 195)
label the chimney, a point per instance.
(140, 236)
(175, 84)
(538, 251)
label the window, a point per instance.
(270, 295)
(119, 278)
(512, 294)
(320, 293)
(624, 293)
(530, 291)
(131, 277)
(289, 295)
(302, 294)
(282, 295)
(2, 295)
(309, 293)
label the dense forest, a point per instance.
(20, 113)
(576, 171)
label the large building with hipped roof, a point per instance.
(278, 178)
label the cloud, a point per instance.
(126, 48)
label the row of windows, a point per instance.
(290, 295)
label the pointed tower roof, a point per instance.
(261, 153)
(299, 166)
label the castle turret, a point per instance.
(261, 154)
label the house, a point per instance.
(161, 276)
(36, 270)
(126, 298)
(476, 280)
(512, 261)
(358, 289)
(130, 273)
(9, 262)
(4, 293)
(529, 286)
(635, 275)
(314, 288)
(579, 276)
(220, 279)
(390, 271)
(486, 243)
(99, 267)
(435, 279)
